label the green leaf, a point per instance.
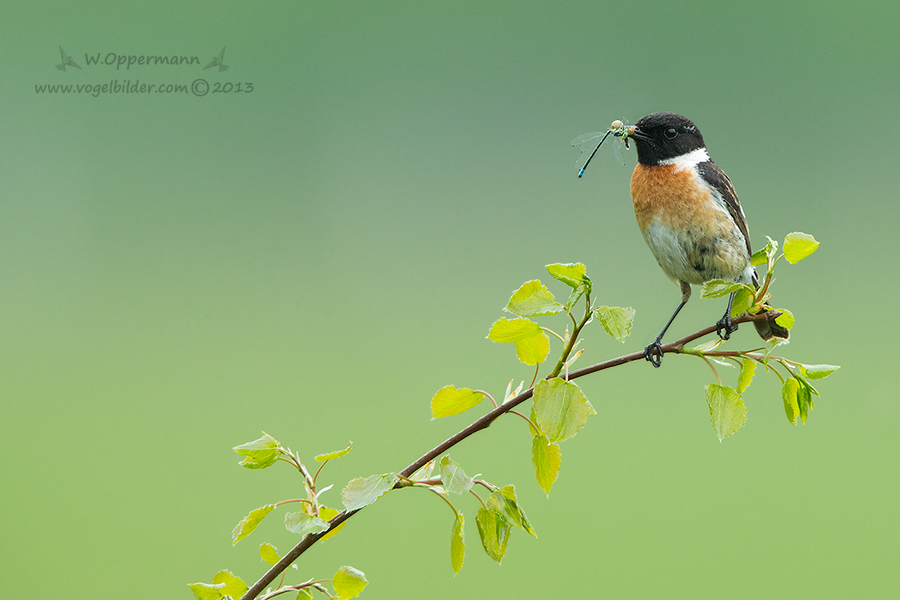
(451, 401)
(423, 473)
(533, 299)
(765, 256)
(349, 582)
(301, 523)
(532, 344)
(207, 591)
(570, 274)
(774, 343)
(249, 523)
(748, 368)
(532, 351)
(743, 301)
(759, 257)
(817, 371)
(454, 480)
(304, 594)
(260, 453)
(583, 288)
(560, 408)
(720, 361)
(508, 331)
(504, 503)
(806, 384)
(334, 455)
(327, 514)
(789, 396)
(709, 345)
(785, 319)
(494, 531)
(798, 246)
(547, 458)
(234, 586)
(363, 491)
(457, 544)
(268, 553)
(718, 288)
(615, 320)
(726, 410)
(804, 401)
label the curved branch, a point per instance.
(483, 422)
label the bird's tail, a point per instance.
(768, 328)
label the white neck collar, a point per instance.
(689, 160)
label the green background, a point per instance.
(316, 258)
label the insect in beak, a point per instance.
(617, 129)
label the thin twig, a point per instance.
(483, 505)
(491, 398)
(441, 496)
(537, 369)
(712, 367)
(290, 588)
(319, 470)
(277, 504)
(533, 426)
(553, 333)
(485, 485)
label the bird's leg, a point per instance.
(724, 327)
(653, 352)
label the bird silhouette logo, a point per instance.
(66, 61)
(217, 61)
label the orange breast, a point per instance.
(672, 195)
(688, 229)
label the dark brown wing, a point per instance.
(716, 177)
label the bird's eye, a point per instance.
(671, 133)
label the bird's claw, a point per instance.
(724, 327)
(653, 353)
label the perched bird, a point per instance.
(690, 216)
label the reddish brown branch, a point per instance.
(482, 423)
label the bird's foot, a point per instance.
(724, 327)
(653, 353)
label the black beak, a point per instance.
(637, 134)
